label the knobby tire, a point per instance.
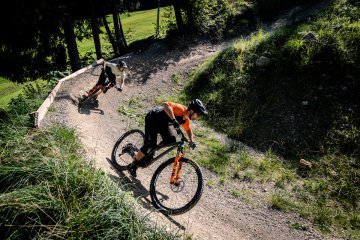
(161, 201)
(119, 156)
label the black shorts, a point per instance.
(107, 77)
(156, 122)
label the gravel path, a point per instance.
(218, 215)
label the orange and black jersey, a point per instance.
(157, 122)
(160, 118)
(179, 112)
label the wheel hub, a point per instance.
(178, 187)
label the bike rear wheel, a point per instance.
(171, 199)
(126, 148)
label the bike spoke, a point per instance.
(126, 148)
(172, 196)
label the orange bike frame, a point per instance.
(94, 89)
(177, 165)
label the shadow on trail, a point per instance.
(159, 56)
(140, 192)
(90, 107)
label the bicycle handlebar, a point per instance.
(184, 139)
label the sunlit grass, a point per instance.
(10, 90)
(136, 26)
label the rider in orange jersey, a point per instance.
(157, 121)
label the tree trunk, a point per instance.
(119, 41)
(178, 16)
(111, 38)
(95, 31)
(122, 33)
(189, 14)
(71, 44)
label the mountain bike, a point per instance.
(176, 185)
(93, 93)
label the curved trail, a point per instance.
(218, 215)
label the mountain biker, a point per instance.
(108, 74)
(157, 121)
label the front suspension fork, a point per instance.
(176, 171)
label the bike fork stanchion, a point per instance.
(177, 165)
(177, 178)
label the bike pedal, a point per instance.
(132, 171)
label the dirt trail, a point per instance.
(218, 215)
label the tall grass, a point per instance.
(49, 191)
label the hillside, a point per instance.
(294, 92)
(285, 92)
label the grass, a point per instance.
(50, 191)
(10, 90)
(298, 226)
(235, 193)
(132, 108)
(231, 162)
(215, 156)
(211, 183)
(264, 106)
(136, 26)
(176, 78)
(175, 98)
(49, 187)
(140, 25)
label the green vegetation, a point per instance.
(10, 90)
(216, 18)
(136, 26)
(133, 109)
(48, 190)
(255, 103)
(294, 91)
(140, 25)
(176, 78)
(238, 163)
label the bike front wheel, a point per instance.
(176, 199)
(126, 147)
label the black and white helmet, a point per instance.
(122, 64)
(197, 106)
